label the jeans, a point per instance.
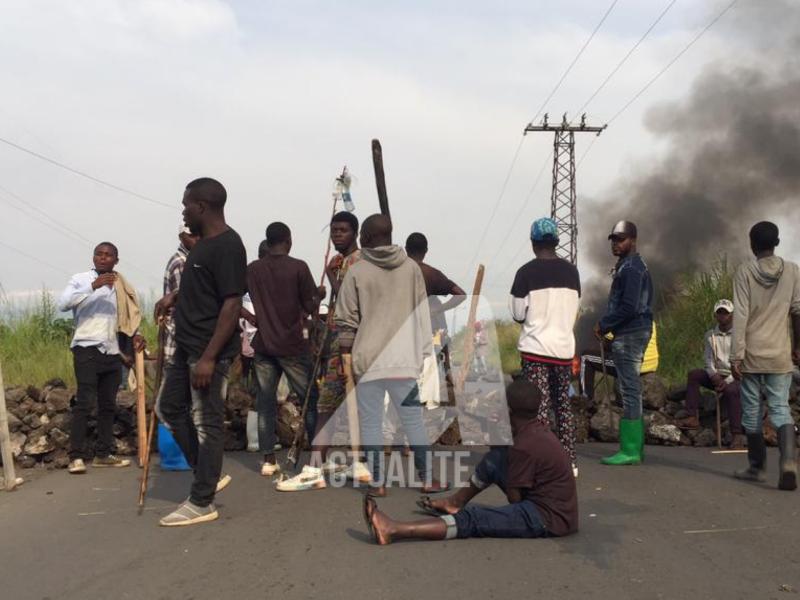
(98, 376)
(519, 520)
(196, 418)
(404, 394)
(268, 371)
(730, 396)
(775, 388)
(627, 351)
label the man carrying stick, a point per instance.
(207, 308)
(103, 305)
(383, 321)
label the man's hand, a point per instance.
(718, 381)
(139, 343)
(203, 372)
(322, 291)
(597, 333)
(164, 306)
(104, 279)
(736, 369)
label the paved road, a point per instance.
(679, 527)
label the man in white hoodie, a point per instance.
(766, 322)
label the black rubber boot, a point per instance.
(757, 457)
(787, 478)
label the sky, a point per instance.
(273, 98)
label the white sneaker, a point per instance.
(268, 469)
(358, 472)
(575, 470)
(223, 483)
(310, 478)
(331, 467)
(77, 466)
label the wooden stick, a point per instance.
(719, 422)
(162, 331)
(5, 441)
(141, 409)
(380, 177)
(469, 336)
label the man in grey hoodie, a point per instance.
(766, 320)
(383, 321)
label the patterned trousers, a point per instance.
(553, 382)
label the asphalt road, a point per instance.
(677, 527)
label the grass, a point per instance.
(34, 344)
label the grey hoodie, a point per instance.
(382, 312)
(765, 293)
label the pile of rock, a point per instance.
(39, 421)
(663, 407)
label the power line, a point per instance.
(536, 116)
(54, 225)
(85, 175)
(34, 258)
(625, 58)
(575, 60)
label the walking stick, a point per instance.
(469, 340)
(10, 476)
(141, 417)
(153, 419)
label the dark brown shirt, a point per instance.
(436, 284)
(282, 291)
(539, 467)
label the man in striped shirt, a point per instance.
(545, 299)
(172, 281)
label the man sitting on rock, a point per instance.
(716, 376)
(534, 473)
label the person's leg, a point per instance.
(777, 393)
(173, 406)
(694, 380)
(370, 396)
(298, 374)
(108, 379)
(268, 374)
(733, 405)
(628, 351)
(404, 394)
(750, 391)
(537, 374)
(208, 415)
(559, 376)
(85, 364)
(491, 470)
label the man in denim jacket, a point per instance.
(628, 323)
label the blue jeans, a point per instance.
(196, 419)
(775, 387)
(268, 370)
(627, 350)
(519, 520)
(404, 394)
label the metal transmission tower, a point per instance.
(563, 199)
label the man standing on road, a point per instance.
(766, 324)
(207, 308)
(545, 298)
(96, 299)
(383, 320)
(628, 322)
(283, 293)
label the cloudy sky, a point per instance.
(274, 97)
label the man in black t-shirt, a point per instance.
(534, 473)
(207, 308)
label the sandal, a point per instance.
(436, 487)
(424, 504)
(368, 507)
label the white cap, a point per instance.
(723, 304)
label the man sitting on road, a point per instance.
(717, 376)
(535, 474)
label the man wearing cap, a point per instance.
(172, 281)
(717, 375)
(766, 340)
(628, 322)
(545, 298)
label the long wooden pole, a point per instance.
(153, 420)
(469, 336)
(5, 441)
(141, 409)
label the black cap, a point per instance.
(623, 229)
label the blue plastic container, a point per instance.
(172, 458)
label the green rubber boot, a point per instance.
(631, 441)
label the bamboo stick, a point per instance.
(5, 441)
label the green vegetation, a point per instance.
(34, 344)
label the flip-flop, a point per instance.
(424, 504)
(368, 507)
